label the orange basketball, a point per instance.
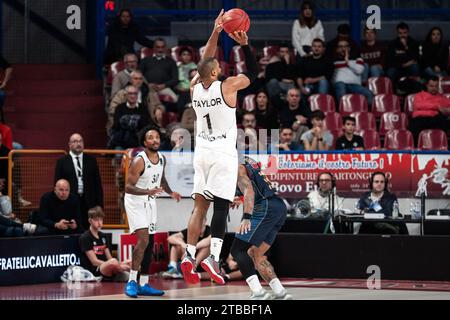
(236, 20)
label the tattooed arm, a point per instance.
(245, 185)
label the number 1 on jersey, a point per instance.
(208, 122)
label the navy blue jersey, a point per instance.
(261, 184)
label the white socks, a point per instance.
(192, 250)
(276, 286)
(216, 247)
(133, 275)
(173, 264)
(254, 284)
(143, 279)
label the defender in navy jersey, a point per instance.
(264, 215)
(215, 156)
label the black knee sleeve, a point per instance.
(219, 219)
(239, 252)
(145, 264)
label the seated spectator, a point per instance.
(123, 78)
(305, 29)
(161, 72)
(184, 67)
(177, 243)
(188, 120)
(281, 72)
(95, 251)
(380, 200)
(129, 118)
(146, 96)
(344, 33)
(320, 198)
(180, 140)
(293, 109)
(430, 109)
(435, 54)
(10, 226)
(317, 138)
(59, 210)
(315, 70)
(287, 142)
(7, 68)
(299, 129)
(157, 117)
(248, 136)
(373, 54)
(122, 35)
(403, 55)
(266, 116)
(347, 73)
(349, 140)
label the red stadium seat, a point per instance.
(219, 53)
(409, 104)
(371, 139)
(364, 121)
(353, 103)
(270, 51)
(114, 69)
(399, 140)
(169, 117)
(383, 103)
(323, 102)
(146, 52)
(432, 139)
(336, 134)
(249, 103)
(239, 68)
(393, 120)
(332, 122)
(380, 85)
(176, 53)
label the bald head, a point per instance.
(76, 143)
(208, 68)
(62, 189)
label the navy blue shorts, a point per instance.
(268, 217)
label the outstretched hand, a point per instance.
(240, 37)
(218, 23)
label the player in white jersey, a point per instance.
(215, 157)
(146, 179)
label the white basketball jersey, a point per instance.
(216, 121)
(152, 175)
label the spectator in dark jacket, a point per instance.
(373, 54)
(122, 35)
(435, 54)
(344, 32)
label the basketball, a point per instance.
(236, 20)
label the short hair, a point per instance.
(319, 40)
(431, 78)
(402, 25)
(344, 29)
(144, 132)
(348, 118)
(246, 113)
(284, 45)
(96, 212)
(318, 114)
(205, 67)
(185, 49)
(286, 128)
(366, 28)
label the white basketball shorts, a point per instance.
(141, 213)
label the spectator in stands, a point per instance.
(129, 118)
(281, 72)
(317, 138)
(9, 225)
(7, 69)
(293, 109)
(6, 133)
(305, 29)
(315, 70)
(435, 54)
(349, 140)
(373, 54)
(380, 200)
(123, 78)
(147, 96)
(430, 109)
(122, 35)
(161, 72)
(287, 142)
(188, 121)
(177, 243)
(95, 251)
(157, 117)
(320, 199)
(180, 140)
(59, 210)
(299, 129)
(266, 116)
(344, 32)
(348, 70)
(403, 55)
(248, 136)
(82, 173)
(185, 66)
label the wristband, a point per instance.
(247, 216)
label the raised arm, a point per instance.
(211, 45)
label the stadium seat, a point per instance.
(219, 53)
(409, 105)
(353, 103)
(270, 51)
(323, 102)
(332, 122)
(176, 53)
(145, 52)
(371, 139)
(432, 139)
(169, 117)
(383, 103)
(114, 69)
(239, 68)
(249, 103)
(380, 85)
(399, 140)
(364, 121)
(336, 134)
(393, 120)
